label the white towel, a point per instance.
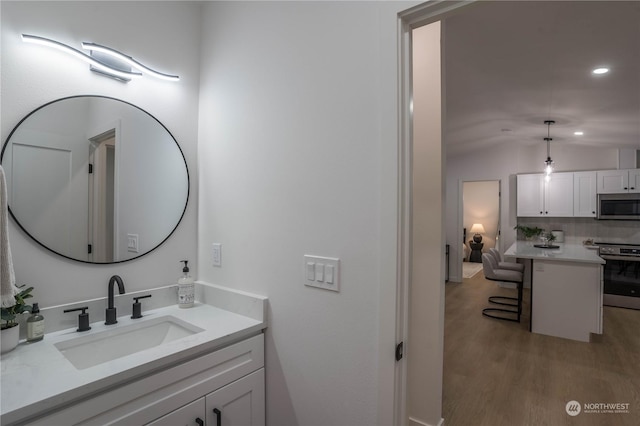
(7, 277)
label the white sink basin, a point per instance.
(94, 349)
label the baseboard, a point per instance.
(416, 422)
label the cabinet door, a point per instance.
(613, 181)
(190, 415)
(634, 180)
(584, 194)
(558, 195)
(240, 403)
(530, 195)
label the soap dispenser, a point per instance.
(35, 325)
(186, 290)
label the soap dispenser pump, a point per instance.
(186, 290)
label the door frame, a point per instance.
(408, 20)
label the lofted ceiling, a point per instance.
(511, 65)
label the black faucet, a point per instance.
(110, 314)
(83, 318)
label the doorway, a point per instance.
(102, 154)
(480, 222)
(421, 240)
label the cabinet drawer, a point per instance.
(155, 395)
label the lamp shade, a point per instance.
(477, 228)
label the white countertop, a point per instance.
(564, 252)
(36, 376)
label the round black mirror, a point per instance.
(95, 179)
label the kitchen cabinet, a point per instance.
(567, 289)
(530, 195)
(618, 181)
(536, 197)
(584, 194)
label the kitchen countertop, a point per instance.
(564, 253)
(37, 377)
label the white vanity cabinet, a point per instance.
(618, 181)
(240, 403)
(230, 379)
(536, 197)
(190, 414)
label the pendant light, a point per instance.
(548, 169)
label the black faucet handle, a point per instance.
(137, 307)
(83, 318)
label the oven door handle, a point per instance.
(623, 258)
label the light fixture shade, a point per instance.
(548, 164)
(477, 228)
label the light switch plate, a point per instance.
(322, 272)
(132, 243)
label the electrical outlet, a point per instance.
(217, 254)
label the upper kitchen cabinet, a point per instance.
(618, 181)
(537, 198)
(584, 194)
(530, 195)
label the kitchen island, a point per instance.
(566, 289)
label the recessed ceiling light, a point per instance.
(600, 70)
(578, 133)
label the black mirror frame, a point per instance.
(186, 204)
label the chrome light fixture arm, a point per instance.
(111, 63)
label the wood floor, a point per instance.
(498, 373)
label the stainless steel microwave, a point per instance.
(619, 206)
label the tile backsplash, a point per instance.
(578, 229)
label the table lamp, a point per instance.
(477, 229)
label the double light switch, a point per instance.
(322, 272)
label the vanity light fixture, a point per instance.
(600, 70)
(103, 60)
(93, 47)
(119, 74)
(578, 133)
(548, 169)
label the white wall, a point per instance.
(298, 155)
(504, 162)
(155, 33)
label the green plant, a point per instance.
(528, 231)
(9, 314)
(551, 237)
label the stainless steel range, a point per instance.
(621, 274)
